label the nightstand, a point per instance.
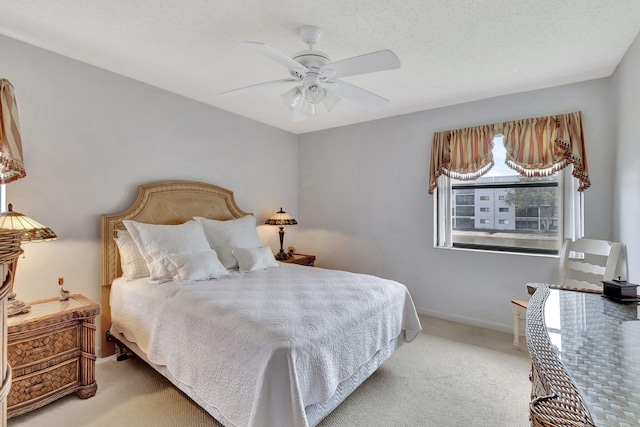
(301, 259)
(51, 351)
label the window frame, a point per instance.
(570, 208)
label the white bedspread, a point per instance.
(261, 346)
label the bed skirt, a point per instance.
(315, 413)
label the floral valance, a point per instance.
(11, 165)
(535, 147)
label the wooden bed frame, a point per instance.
(167, 202)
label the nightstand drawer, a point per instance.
(42, 347)
(41, 383)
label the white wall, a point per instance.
(90, 137)
(627, 168)
(364, 203)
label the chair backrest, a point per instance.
(591, 261)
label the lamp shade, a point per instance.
(330, 100)
(281, 218)
(32, 230)
(292, 97)
(11, 165)
(314, 93)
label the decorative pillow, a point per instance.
(225, 236)
(156, 241)
(251, 259)
(131, 260)
(190, 267)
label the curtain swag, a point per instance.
(535, 147)
(11, 165)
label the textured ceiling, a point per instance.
(451, 51)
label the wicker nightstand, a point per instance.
(51, 351)
(301, 259)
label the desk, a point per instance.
(585, 353)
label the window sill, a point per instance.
(486, 251)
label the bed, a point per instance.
(266, 343)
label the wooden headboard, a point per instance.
(166, 202)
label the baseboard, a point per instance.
(467, 320)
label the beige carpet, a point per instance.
(451, 375)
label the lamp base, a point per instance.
(15, 307)
(282, 255)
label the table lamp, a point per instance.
(31, 231)
(11, 169)
(281, 218)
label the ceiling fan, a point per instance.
(319, 77)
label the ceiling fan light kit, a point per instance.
(292, 97)
(318, 77)
(314, 93)
(307, 109)
(330, 100)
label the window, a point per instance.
(464, 211)
(527, 211)
(463, 223)
(463, 199)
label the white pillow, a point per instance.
(251, 259)
(225, 236)
(189, 267)
(131, 260)
(156, 241)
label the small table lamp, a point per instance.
(281, 218)
(32, 231)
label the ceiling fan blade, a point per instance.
(376, 61)
(256, 86)
(362, 97)
(277, 56)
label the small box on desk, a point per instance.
(620, 290)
